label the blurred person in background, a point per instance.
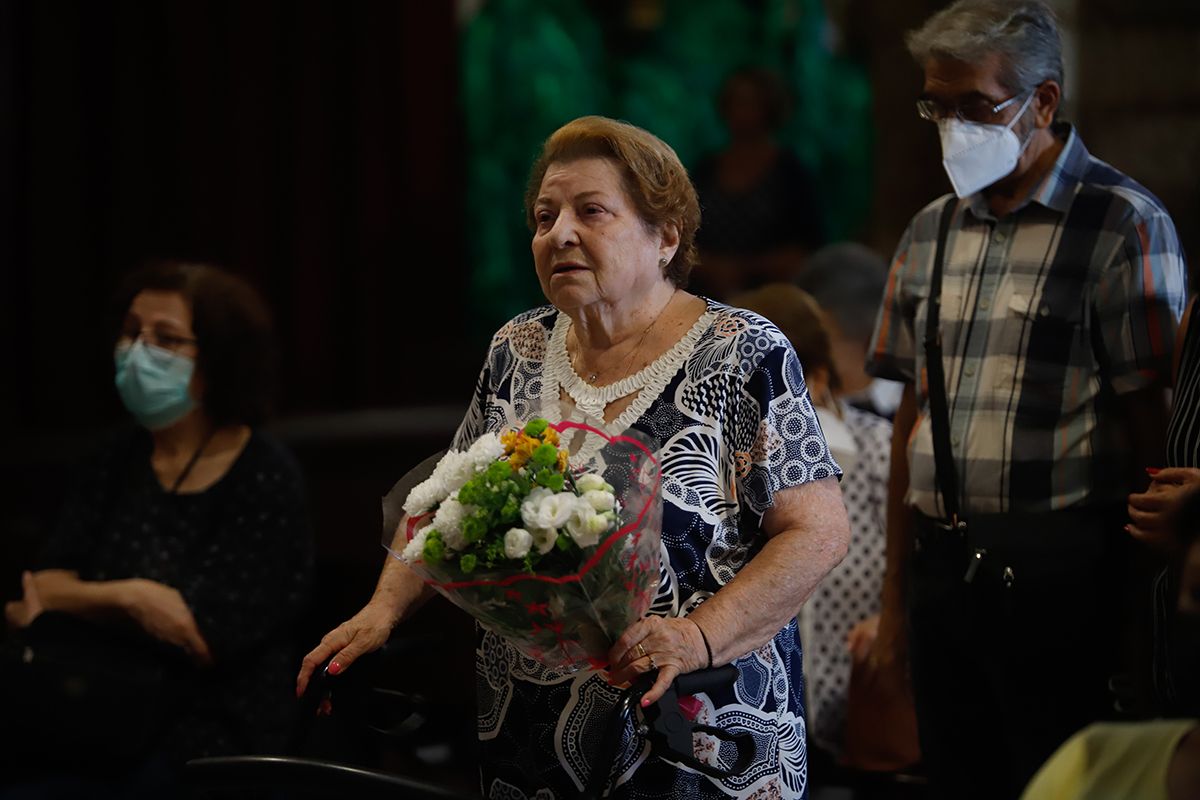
(1032, 320)
(181, 560)
(1155, 760)
(860, 442)
(759, 210)
(847, 280)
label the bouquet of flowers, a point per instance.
(556, 559)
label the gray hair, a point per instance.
(847, 280)
(1024, 32)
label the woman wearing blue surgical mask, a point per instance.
(184, 553)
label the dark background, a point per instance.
(311, 147)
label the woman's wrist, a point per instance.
(705, 650)
(122, 595)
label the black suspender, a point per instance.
(939, 410)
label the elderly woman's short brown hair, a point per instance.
(654, 178)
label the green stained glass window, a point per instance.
(528, 66)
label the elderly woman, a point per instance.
(186, 541)
(752, 514)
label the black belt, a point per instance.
(1080, 534)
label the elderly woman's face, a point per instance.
(590, 244)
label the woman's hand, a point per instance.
(363, 633)
(1152, 512)
(19, 613)
(163, 613)
(673, 645)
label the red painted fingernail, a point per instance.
(334, 668)
(645, 702)
(1127, 529)
(1153, 470)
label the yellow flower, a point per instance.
(550, 435)
(562, 460)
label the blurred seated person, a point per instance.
(185, 549)
(759, 213)
(1156, 760)
(860, 442)
(847, 280)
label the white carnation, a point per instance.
(517, 543)
(600, 500)
(544, 539)
(591, 482)
(425, 495)
(449, 519)
(454, 470)
(586, 526)
(415, 547)
(487, 448)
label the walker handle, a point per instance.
(705, 680)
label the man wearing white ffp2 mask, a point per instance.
(977, 154)
(1052, 263)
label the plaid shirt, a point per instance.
(1046, 316)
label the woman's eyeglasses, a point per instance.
(160, 339)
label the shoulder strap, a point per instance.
(939, 410)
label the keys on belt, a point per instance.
(959, 526)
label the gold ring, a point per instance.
(641, 650)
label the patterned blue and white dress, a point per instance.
(730, 409)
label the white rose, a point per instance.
(544, 539)
(600, 500)
(531, 504)
(591, 482)
(517, 542)
(557, 509)
(586, 526)
(487, 448)
(545, 509)
(414, 549)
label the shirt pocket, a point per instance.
(1047, 344)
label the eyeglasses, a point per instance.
(154, 338)
(979, 109)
